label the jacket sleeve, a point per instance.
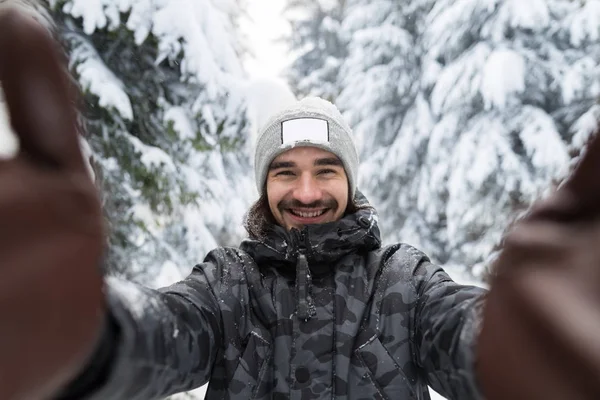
(447, 321)
(156, 342)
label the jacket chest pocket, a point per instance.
(251, 379)
(380, 374)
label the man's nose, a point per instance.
(307, 190)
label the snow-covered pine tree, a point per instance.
(380, 77)
(505, 85)
(319, 49)
(465, 111)
(581, 31)
(165, 118)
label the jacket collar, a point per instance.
(321, 244)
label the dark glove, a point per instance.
(541, 331)
(51, 231)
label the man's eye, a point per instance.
(284, 173)
(326, 171)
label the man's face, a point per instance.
(307, 185)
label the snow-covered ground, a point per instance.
(200, 393)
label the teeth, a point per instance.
(311, 214)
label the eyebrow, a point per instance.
(331, 161)
(321, 162)
(281, 164)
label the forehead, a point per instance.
(304, 154)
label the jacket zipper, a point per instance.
(305, 307)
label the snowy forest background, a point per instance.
(464, 110)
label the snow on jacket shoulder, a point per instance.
(322, 313)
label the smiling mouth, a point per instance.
(305, 214)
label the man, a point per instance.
(309, 307)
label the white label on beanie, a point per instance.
(304, 130)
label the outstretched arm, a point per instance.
(53, 310)
(51, 233)
(542, 317)
(447, 319)
(534, 335)
(155, 343)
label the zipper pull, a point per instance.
(303, 241)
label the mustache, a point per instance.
(294, 203)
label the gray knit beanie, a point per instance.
(311, 122)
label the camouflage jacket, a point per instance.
(322, 313)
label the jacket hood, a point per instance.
(322, 243)
(316, 249)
